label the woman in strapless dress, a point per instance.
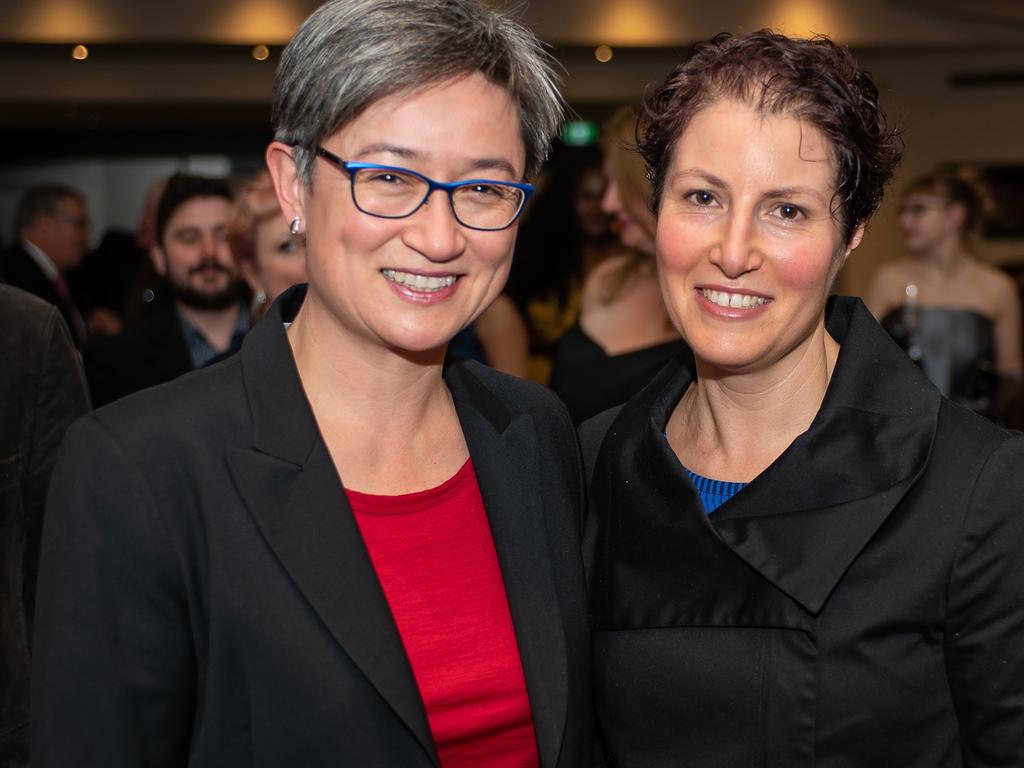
(958, 317)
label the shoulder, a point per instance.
(592, 433)
(887, 286)
(514, 394)
(24, 315)
(996, 284)
(602, 277)
(199, 409)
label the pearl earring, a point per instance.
(296, 222)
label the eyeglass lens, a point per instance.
(391, 193)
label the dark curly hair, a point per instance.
(813, 80)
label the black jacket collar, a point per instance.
(803, 521)
(291, 487)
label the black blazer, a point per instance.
(206, 598)
(152, 353)
(42, 391)
(18, 268)
(859, 604)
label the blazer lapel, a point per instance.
(293, 492)
(504, 452)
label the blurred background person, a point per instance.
(271, 258)
(564, 235)
(624, 335)
(208, 315)
(956, 316)
(799, 552)
(52, 228)
(498, 338)
(116, 280)
(42, 390)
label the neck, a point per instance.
(217, 325)
(371, 376)
(946, 258)
(733, 426)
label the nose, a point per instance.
(433, 230)
(611, 203)
(737, 250)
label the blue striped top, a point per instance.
(713, 493)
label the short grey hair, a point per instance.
(352, 53)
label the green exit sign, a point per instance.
(580, 133)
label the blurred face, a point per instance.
(409, 284)
(747, 248)
(633, 219)
(64, 234)
(927, 221)
(194, 255)
(590, 187)
(280, 257)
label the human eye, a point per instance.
(385, 177)
(788, 212)
(288, 246)
(485, 190)
(702, 198)
(188, 236)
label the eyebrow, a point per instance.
(477, 164)
(710, 178)
(717, 182)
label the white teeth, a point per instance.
(733, 300)
(425, 283)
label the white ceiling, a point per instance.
(662, 23)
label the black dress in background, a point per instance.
(955, 348)
(589, 380)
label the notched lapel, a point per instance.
(505, 457)
(304, 516)
(290, 486)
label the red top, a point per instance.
(435, 559)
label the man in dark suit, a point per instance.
(52, 227)
(41, 391)
(203, 314)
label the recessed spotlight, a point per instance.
(79, 53)
(603, 53)
(261, 53)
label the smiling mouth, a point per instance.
(733, 300)
(424, 283)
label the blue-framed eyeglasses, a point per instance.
(392, 192)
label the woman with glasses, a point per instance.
(329, 550)
(958, 317)
(799, 554)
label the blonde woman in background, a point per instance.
(624, 335)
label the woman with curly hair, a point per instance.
(799, 553)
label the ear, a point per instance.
(288, 183)
(159, 259)
(855, 238)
